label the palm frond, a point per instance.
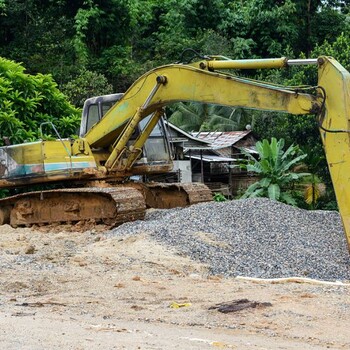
(313, 192)
(288, 199)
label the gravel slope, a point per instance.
(253, 237)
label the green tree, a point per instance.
(339, 49)
(269, 27)
(194, 116)
(27, 100)
(318, 20)
(189, 24)
(121, 38)
(104, 38)
(302, 130)
(39, 34)
(274, 166)
(87, 84)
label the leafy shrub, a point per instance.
(87, 84)
(219, 197)
(275, 169)
(27, 100)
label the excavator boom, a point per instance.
(186, 83)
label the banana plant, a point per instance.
(274, 167)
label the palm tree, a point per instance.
(274, 167)
(196, 116)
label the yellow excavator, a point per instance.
(122, 135)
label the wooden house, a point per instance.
(211, 158)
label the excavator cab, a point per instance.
(94, 110)
(156, 148)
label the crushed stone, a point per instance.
(252, 237)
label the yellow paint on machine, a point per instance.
(42, 158)
(335, 132)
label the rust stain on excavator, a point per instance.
(254, 98)
(166, 196)
(111, 206)
(103, 204)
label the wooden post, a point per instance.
(202, 167)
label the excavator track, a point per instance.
(111, 206)
(166, 195)
(108, 205)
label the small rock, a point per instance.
(21, 238)
(30, 249)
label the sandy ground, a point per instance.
(85, 290)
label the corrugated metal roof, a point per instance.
(184, 133)
(210, 158)
(221, 139)
(196, 148)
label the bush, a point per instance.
(27, 100)
(219, 197)
(87, 84)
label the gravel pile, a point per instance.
(253, 237)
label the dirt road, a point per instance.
(86, 290)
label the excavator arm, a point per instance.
(202, 82)
(173, 83)
(334, 126)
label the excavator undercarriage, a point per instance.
(111, 206)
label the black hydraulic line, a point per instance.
(321, 115)
(196, 54)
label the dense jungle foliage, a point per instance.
(91, 47)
